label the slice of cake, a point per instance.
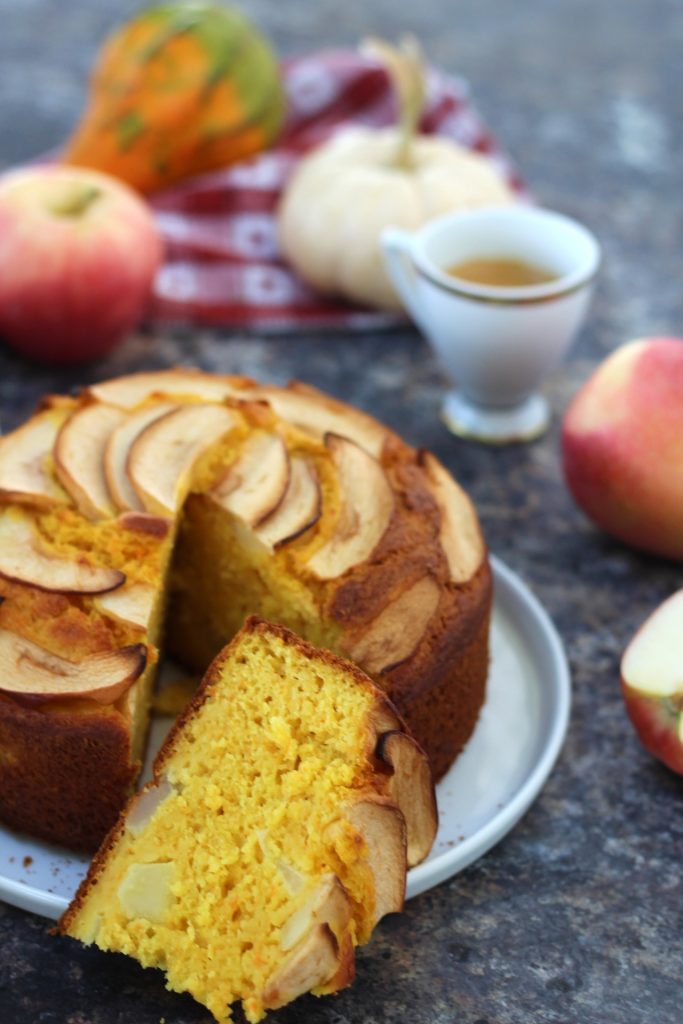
(286, 805)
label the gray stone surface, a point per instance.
(576, 915)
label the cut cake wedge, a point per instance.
(286, 805)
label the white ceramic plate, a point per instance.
(517, 740)
(509, 757)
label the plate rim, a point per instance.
(509, 586)
(430, 874)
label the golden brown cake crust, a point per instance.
(63, 774)
(441, 688)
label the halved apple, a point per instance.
(460, 535)
(305, 407)
(367, 503)
(299, 509)
(25, 559)
(28, 670)
(117, 451)
(395, 633)
(24, 475)
(257, 481)
(162, 456)
(79, 457)
(129, 391)
(652, 682)
(131, 604)
(412, 788)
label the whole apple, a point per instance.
(622, 444)
(652, 683)
(78, 254)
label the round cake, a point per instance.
(156, 512)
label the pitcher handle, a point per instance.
(396, 249)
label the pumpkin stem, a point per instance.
(74, 199)
(405, 66)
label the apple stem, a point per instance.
(74, 200)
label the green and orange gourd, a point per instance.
(181, 89)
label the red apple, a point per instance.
(78, 253)
(652, 682)
(622, 444)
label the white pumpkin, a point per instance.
(347, 191)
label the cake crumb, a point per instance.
(27, 861)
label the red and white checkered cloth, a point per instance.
(224, 266)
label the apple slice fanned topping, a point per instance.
(318, 938)
(79, 458)
(133, 389)
(145, 522)
(313, 963)
(25, 559)
(162, 456)
(299, 509)
(383, 827)
(30, 671)
(412, 788)
(24, 476)
(396, 632)
(117, 451)
(309, 409)
(327, 903)
(366, 506)
(256, 483)
(132, 604)
(460, 534)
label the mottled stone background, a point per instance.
(576, 915)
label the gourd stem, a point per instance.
(405, 66)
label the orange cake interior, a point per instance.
(285, 808)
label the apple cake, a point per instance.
(286, 805)
(159, 510)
